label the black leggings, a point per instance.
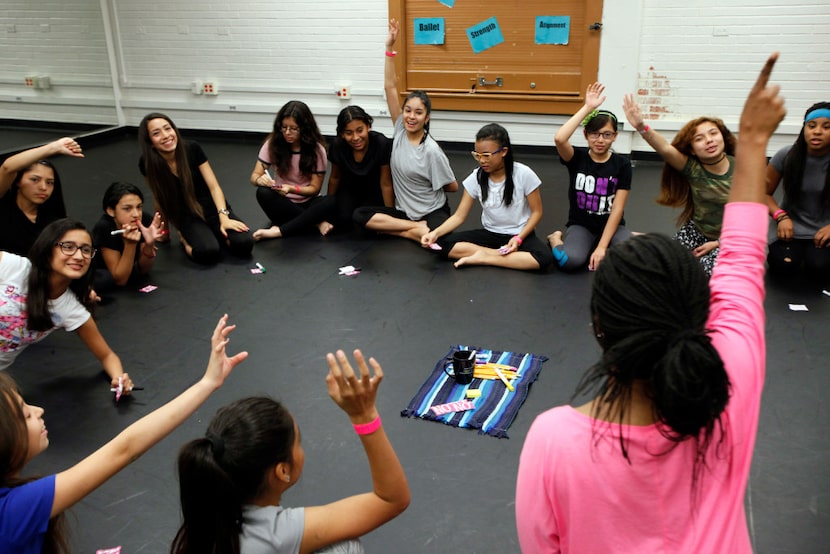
(788, 257)
(207, 241)
(292, 218)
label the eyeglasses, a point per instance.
(607, 135)
(69, 248)
(479, 156)
(290, 129)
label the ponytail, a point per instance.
(228, 468)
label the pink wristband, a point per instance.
(367, 428)
(645, 130)
(296, 189)
(391, 53)
(518, 239)
(779, 213)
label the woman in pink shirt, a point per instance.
(658, 461)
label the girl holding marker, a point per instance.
(660, 458)
(233, 480)
(421, 172)
(125, 237)
(511, 208)
(188, 194)
(801, 223)
(600, 180)
(697, 177)
(51, 289)
(31, 196)
(291, 198)
(31, 509)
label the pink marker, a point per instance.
(435, 246)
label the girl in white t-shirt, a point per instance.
(511, 208)
(51, 289)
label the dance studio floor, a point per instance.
(406, 308)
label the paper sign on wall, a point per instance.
(449, 3)
(429, 30)
(484, 35)
(552, 29)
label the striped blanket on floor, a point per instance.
(494, 410)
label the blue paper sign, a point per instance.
(484, 35)
(552, 29)
(449, 3)
(429, 30)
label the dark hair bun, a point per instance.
(690, 385)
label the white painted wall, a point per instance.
(112, 61)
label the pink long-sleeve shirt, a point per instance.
(577, 495)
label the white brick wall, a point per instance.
(687, 60)
(65, 40)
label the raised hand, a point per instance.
(594, 96)
(68, 147)
(394, 27)
(764, 107)
(632, 111)
(220, 364)
(354, 394)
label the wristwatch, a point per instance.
(225, 211)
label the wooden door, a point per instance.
(516, 75)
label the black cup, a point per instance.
(463, 366)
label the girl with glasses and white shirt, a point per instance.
(51, 289)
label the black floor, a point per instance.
(406, 308)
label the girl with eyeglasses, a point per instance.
(32, 508)
(600, 180)
(51, 289)
(31, 196)
(421, 172)
(697, 176)
(511, 208)
(187, 193)
(291, 197)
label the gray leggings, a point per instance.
(579, 244)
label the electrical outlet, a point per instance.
(343, 90)
(43, 82)
(196, 87)
(210, 88)
(30, 81)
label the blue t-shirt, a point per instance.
(24, 515)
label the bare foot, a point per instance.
(272, 232)
(415, 233)
(478, 257)
(187, 248)
(325, 227)
(555, 239)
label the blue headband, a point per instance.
(815, 114)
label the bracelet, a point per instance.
(296, 189)
(644, 130)
(518, 239)
(391, 54)
(782, 218)
(778, 213)
(367, 428)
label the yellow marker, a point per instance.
(504, 379)
(473, 393)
